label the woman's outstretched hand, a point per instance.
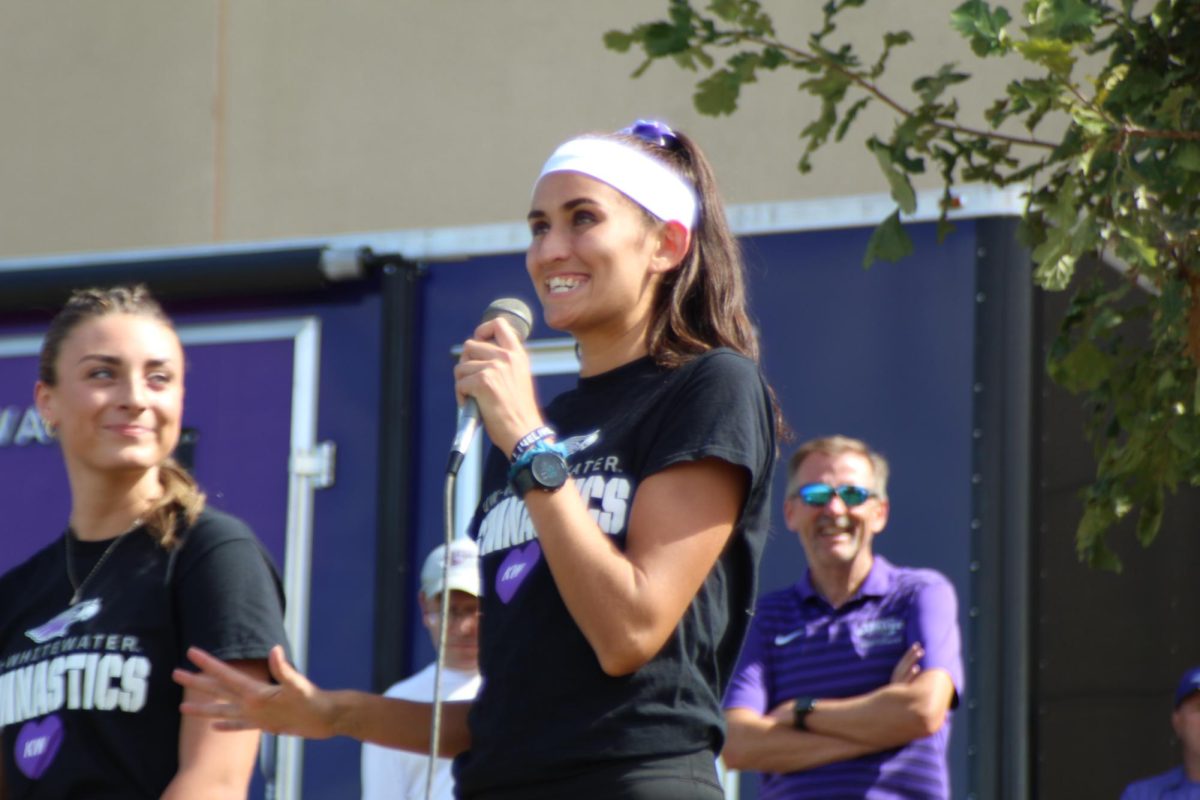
(293, 705)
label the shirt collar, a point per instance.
(877, 584)
(879, 579)
(1177, 778)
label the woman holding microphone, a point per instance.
(621, 524)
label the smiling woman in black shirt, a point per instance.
(92, 625)
(621, 526)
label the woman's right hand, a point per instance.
(293, 705)
(494, 369)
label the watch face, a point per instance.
(549, 470)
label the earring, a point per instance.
(50, 428)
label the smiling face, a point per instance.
(595, 258)
(462, 632)
(117, 397)
(836, 538)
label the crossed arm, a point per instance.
(911, 706)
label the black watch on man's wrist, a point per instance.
(545, 469)
(801, 708)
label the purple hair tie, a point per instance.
(654, 132)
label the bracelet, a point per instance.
(536, 435)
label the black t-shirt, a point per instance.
(87, 704)
(546, 709)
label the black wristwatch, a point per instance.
(801, 708)
(543, 468)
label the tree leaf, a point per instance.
(998, 112)
(1054, 54)
(618, 41)
(983, 27)
(718, 93)
(1055, 261)
(1091, 121)
(1083, 369)
(1170, 112)
(902, 190)
(849, 116)
(727, 10)
(745, 65)
(1056, 275)
(889, 241)
(1070, 20)
(1134, 248)
(1187, 157)
(641, 68)
(930, 87)
(1150, 518)
(830, 85)
(773, 58)
(663, 39)
(1089, 538)
(944, 229)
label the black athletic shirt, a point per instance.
(546, 708)
(87, 704)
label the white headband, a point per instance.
(643, 179)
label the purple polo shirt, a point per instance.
(1170, 785)
(799, 645)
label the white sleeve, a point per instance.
(389, 774)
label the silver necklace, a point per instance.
(78, 587)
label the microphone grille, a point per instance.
(517, 312)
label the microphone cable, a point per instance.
(518, 315)
(435, 733)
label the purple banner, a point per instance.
(237, 414)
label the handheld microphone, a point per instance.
(521, 319)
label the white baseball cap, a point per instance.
(463, 574)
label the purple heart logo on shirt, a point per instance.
(37, 745)
(515, 567)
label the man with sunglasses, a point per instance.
(847, 678)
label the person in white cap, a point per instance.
(400, 775)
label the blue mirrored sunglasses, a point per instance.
(820, 494)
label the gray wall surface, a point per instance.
(138, 123)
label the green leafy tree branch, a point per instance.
(1116, 183)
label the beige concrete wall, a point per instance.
(144, 123)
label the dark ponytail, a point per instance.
(701, 305)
